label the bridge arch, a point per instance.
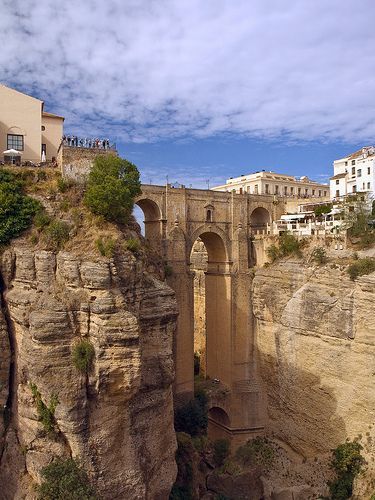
(212, 333)
(259, 218)
(152, 220)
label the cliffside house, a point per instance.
(354, 173)
(27, 129)
(267, 182)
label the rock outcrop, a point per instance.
(316, 349)
(118, 419)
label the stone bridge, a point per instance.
(229, 225)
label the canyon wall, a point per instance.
(315, 340)
(118, 419)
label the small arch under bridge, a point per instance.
(231, 226)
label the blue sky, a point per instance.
(201, 90)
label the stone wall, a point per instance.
(77, 162)
(118, 420)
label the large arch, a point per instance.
(152, 220)
(217, 306)
(259, 218)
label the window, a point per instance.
(15, 142)
(267, 188)
(43, 128)
(369, 185)
(306, 192)
(337, 193)
(256, 189)
(337, 182)
(241, 191)
(346, 164)
(359, 172)
(44, 148)
(353, 170)
(209, 216)
(276, 189)
(325, 193)
(354, 189)
(369, 170)
(299, 191)
(353, 162)
(320, 192)
(363, 186)
(313, 192)
(291, 191)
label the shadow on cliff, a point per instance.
(301, 407)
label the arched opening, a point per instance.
(219, 416)
(151, 224)
(209, 216)
(212, 308)
(259, 219)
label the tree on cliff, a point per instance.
(113, 184)
(16, 209)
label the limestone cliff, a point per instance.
(119, 418)
(316, 349)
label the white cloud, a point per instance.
(146, 70)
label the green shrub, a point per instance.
(273, 253)
(322, 209)
(106, 246)
(41, 219)
(319, 255)
(192, 417)
(112, 186)
(221, 451)
(289, 244)
(361, 267)
(57, 233)
(16, 209)
(64, 185)
(83, 353)
(65, 480)
(347, 462)
(257, 451)
(133, 245)
(46, 414)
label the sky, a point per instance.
(198, 91)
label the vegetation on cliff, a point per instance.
(63, 480)
(112, 186)
(347, 462)
(16, 208)
(287, 244)
(361, 267)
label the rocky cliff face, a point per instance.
(119, 418)
(316, 350)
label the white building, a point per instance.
(267, 182)
(354, 173)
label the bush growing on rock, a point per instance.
(183, 487)
(112, 186)
(257, 451)
(287, 244)
(83, 355)
(347, 462)
(361, 267)
(192, 417)
(106, 246)
(46, 414)
(16, 209)
(319, 255)
(65, 480)
(57, 234)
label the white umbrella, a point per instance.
(12, 152)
